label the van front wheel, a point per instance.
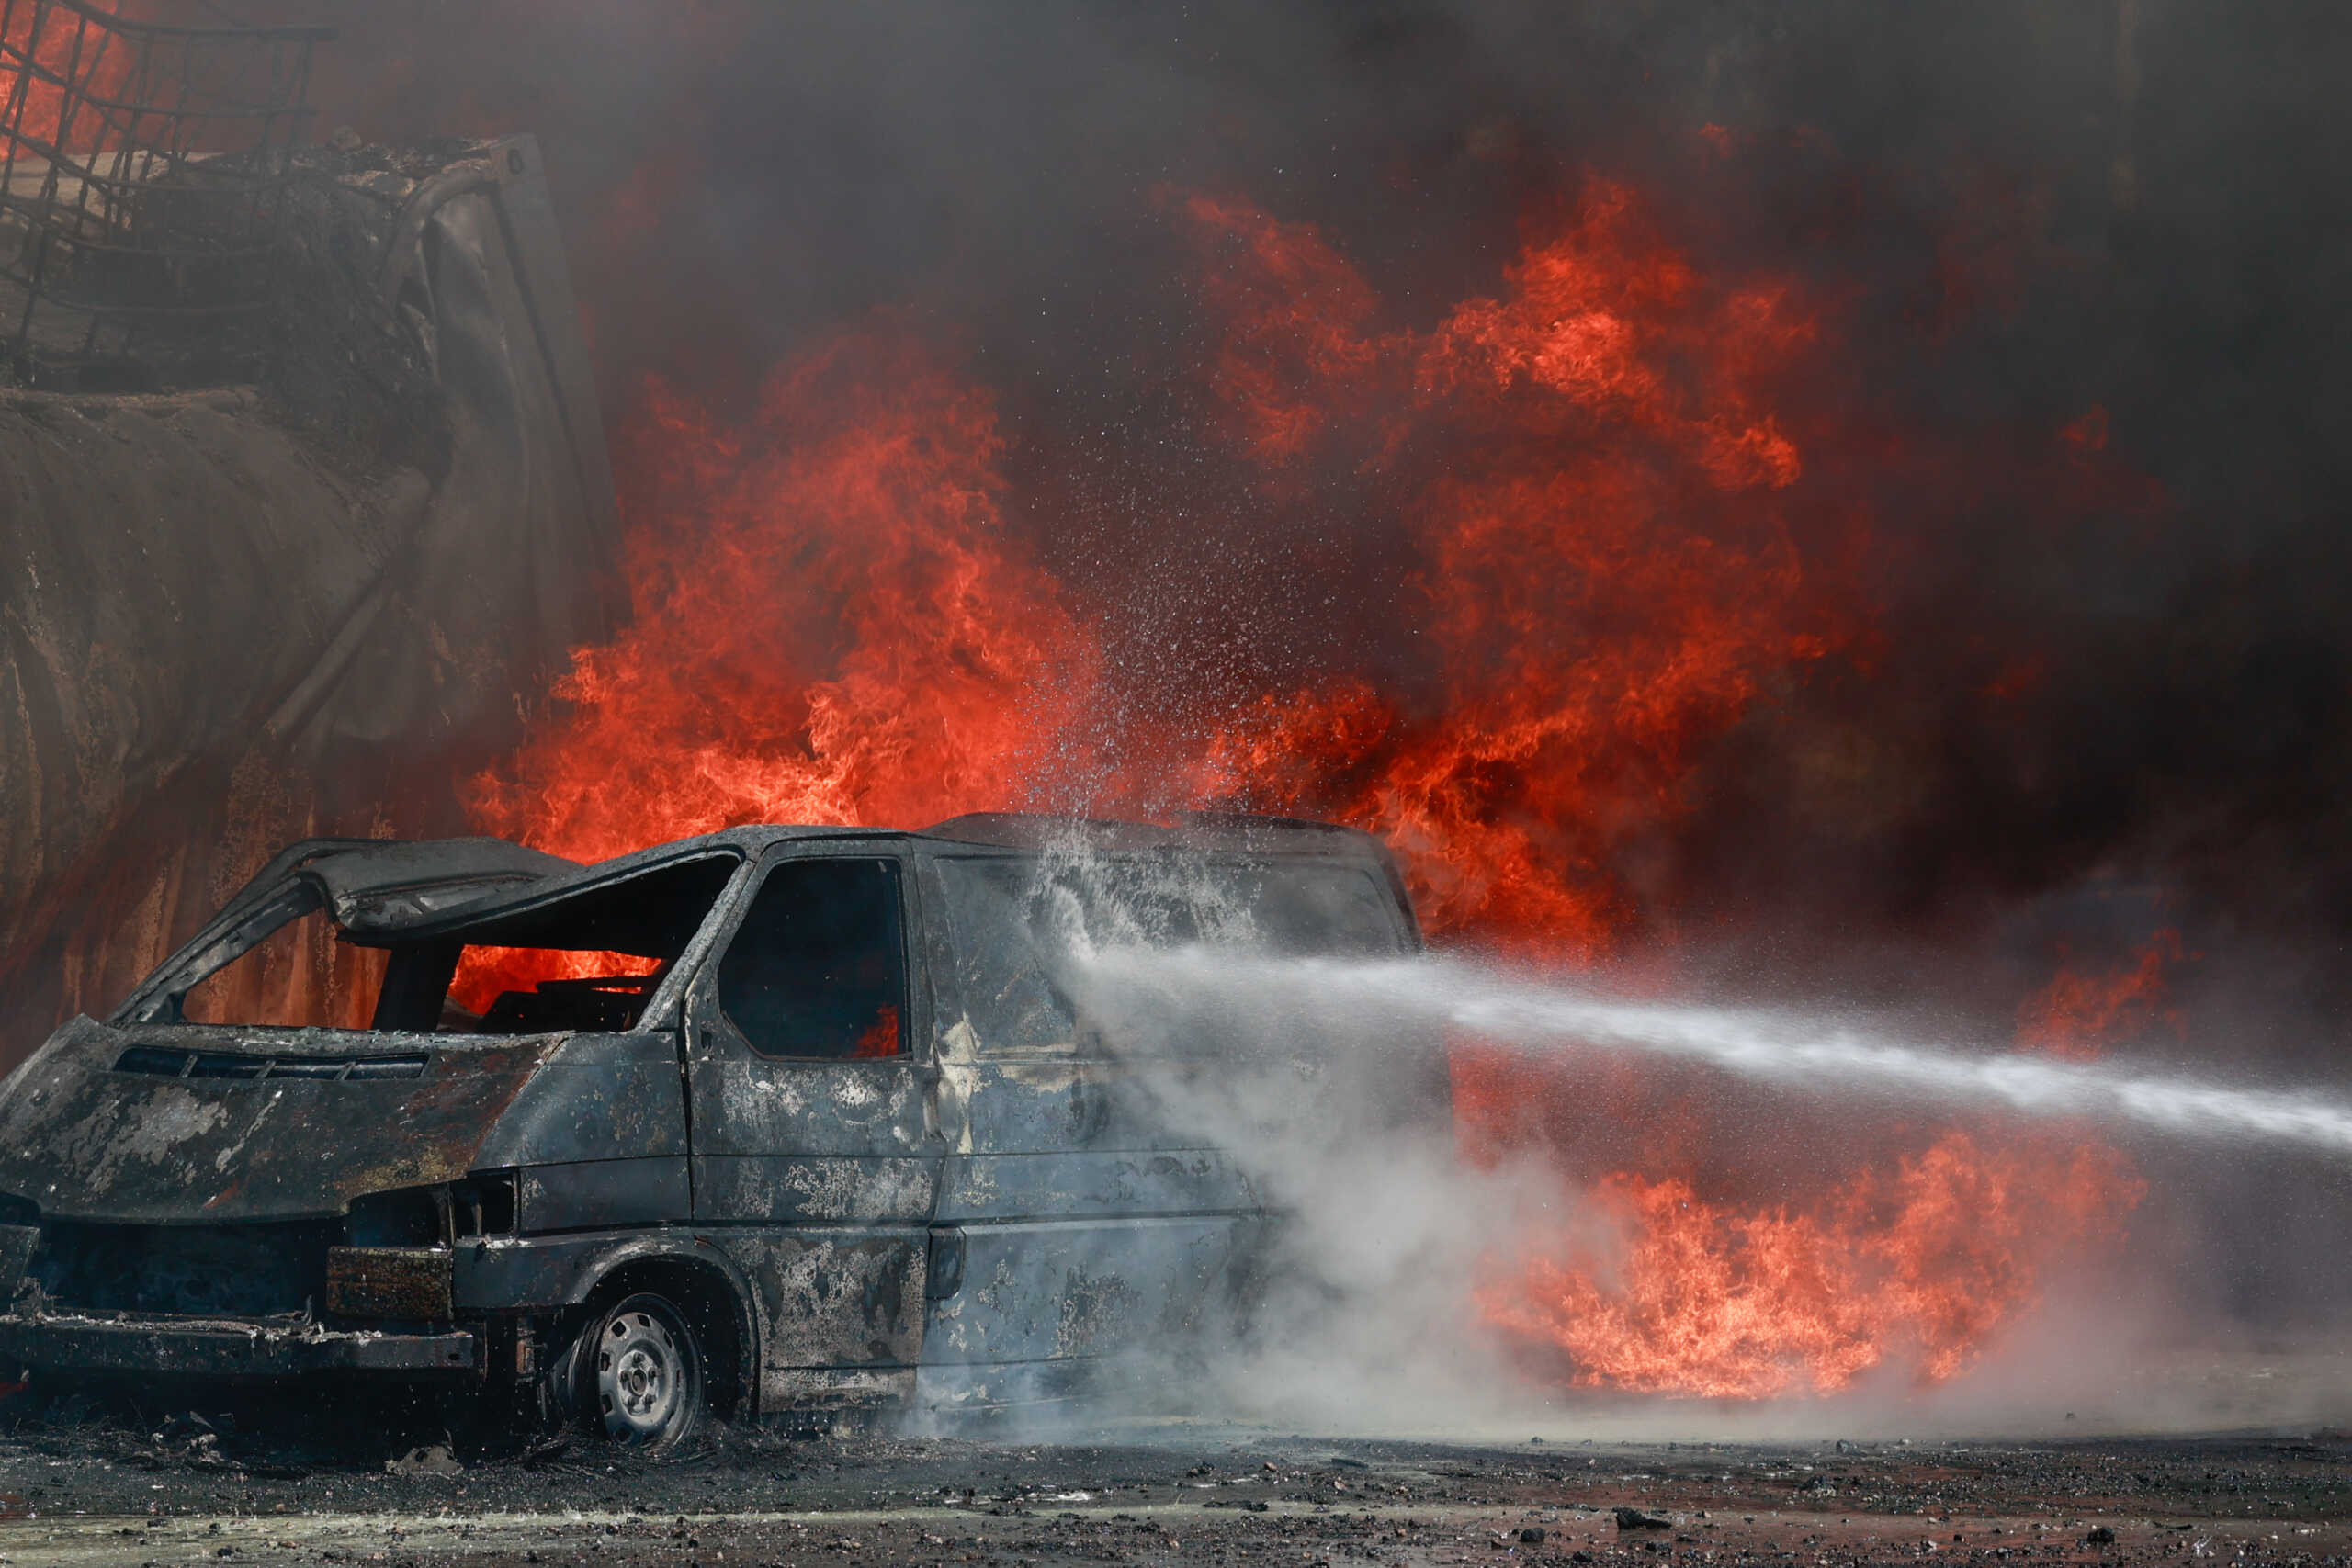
(640, 1374)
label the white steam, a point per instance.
(1326, 1078)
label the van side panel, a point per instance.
(1090, 1234)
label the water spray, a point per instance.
(1768, 1044)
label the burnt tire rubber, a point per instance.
(640, 1375)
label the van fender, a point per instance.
(523, 1274)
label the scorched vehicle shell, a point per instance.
(778, 1121)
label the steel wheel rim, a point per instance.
(643, 1378)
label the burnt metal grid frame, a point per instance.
(143, 174)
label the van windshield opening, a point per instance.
(590, 961)
(586, 960)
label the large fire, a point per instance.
(1602, 478)
(1922, 1261)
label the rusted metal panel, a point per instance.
(389, 1282)
(597, 1097)
(86, 1141)
(373, 888)
(835, 1297)
(391, 886)
(834, 1109)
(1040, 1102)
(783, 1189)
(1093, 1183)
(502, 1273)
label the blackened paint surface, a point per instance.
(83, 1141)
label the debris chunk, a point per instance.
(435, 1459)
(1634, 1519)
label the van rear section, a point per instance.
(774, 1121)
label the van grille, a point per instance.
(247, 1270)
(162, 1063)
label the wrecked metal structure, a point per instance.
(303, 488)
(772, 1121)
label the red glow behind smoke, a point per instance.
(1618, 559)
(62, 49)
(2079, 1014)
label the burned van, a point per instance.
(773, 1122)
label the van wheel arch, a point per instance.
(717, 1307)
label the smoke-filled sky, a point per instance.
(2114, 231)
(1828, 499)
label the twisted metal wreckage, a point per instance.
(823, 1126)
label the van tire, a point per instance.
(639, 1375)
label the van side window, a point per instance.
(817, 968)
(1016, 921)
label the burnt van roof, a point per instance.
(1233, 832)
(1209, 832)
(1192, 830)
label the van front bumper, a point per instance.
(221, 1347)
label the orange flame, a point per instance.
(1610, 584)
(834, 625)
(486, 970)
(1926, 1262)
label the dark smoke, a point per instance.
(2127, 218)
(2040, 228)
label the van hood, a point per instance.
(108, 1124)
(147, 1119)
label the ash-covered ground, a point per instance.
(358, 1483)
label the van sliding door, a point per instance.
(1085, 1243)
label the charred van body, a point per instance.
(780, 1120)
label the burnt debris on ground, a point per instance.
(194, 1484)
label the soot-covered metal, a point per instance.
(771, 1122)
